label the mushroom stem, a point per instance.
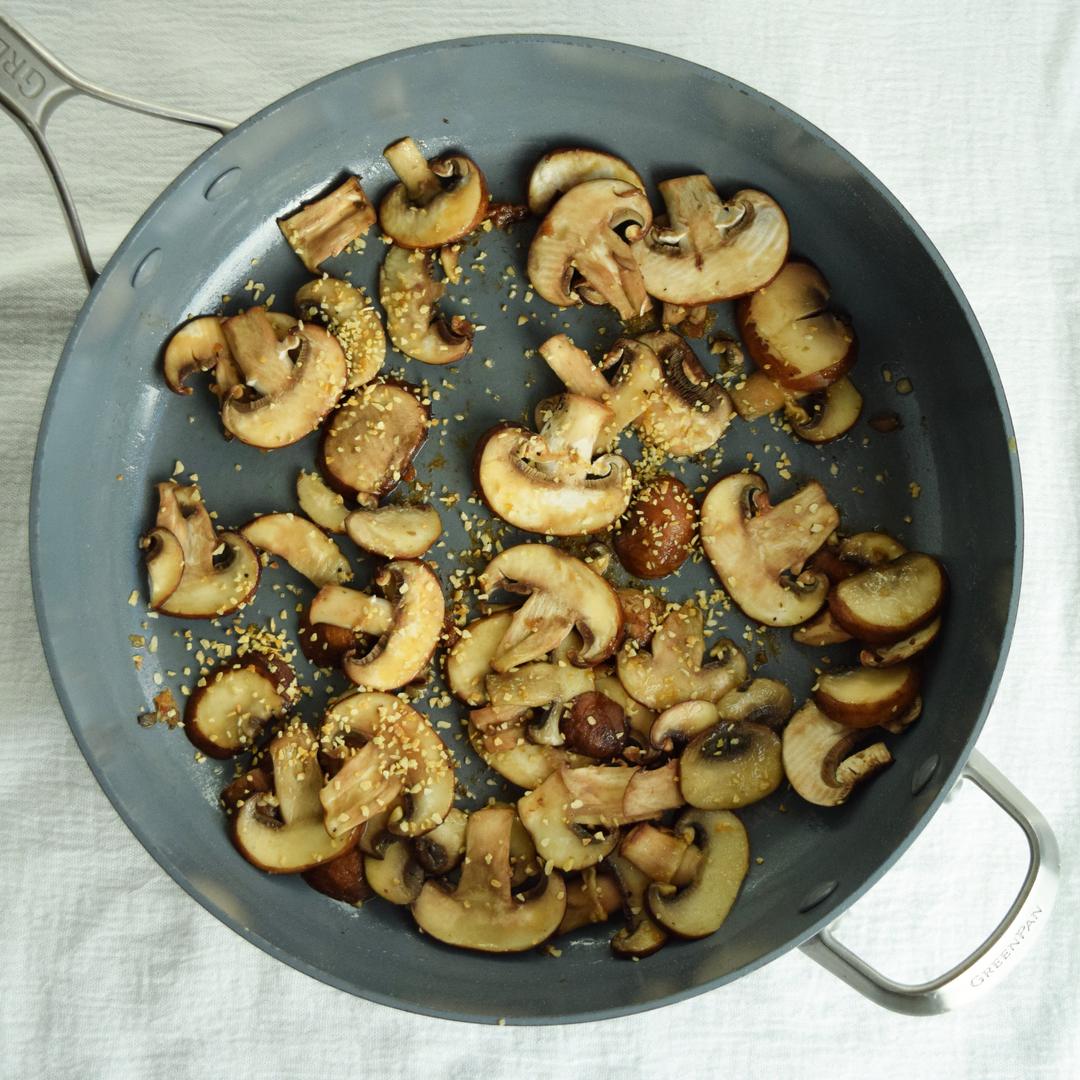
(408, 161)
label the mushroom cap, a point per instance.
(711, 250)
(352, 319)
(403, 653)
(279, 419)
(560, 170)
(197, 346)
(453, 198)
(584, 594)
(482, 912)
(410, 295)
(758, 551)
(550, 483)
(579, 234)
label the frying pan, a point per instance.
(505, 100)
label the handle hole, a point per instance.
(924, 773)
(147, 268)
(222, 184)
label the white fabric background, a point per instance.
(970, 113)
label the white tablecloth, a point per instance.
(970, 113)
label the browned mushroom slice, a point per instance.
(732, 764)
(293, 397)
(220, 571)
(760, 701)
(700, 908)
(483, 912)
(581, 236)
(792, 335)
(677, 725)
(885, 603)
(642, 935)
(709, 249)
(637, 380)
(370, 441)
(690, 411)
(468, 660)
(540, 685)
(395, 532)
(822, 629)
(550, 483)
(639, 719)
(350, 609)
(233, 705)
(693, 321)
(882, 656)
(756, 395)
(642, 612)
(395, 873)
(560, 170)
(303, 545)
(758, 550)
(284, 833)
(820, 757)
(410, 295)
(500, 736)
(327, 226)
(867, 697)
(660, 854)
(442, 849)
(402, 753)
(320, 503)
(594, 725)
(198, 345)
(403, 653)
(866, 549)
(342, 879)
(673, 671)
(829, 413)
(568, 594)
(608, 796)
(436, 202)
(654, 537)
(164, 565)
(350, 316)
(592, 897)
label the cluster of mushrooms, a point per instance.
(632, 745)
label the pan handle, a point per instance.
(33, 83)
(995, 957)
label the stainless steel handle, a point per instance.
(33, 83)
(985, 967)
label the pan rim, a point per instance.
(830, 913)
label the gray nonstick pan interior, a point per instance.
(504, 101)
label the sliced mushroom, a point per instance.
(198, 345)
(441, 849)
(370, 441)
(867, 549)
(760, 701)
(822, 629)
(436, 202)
(673, 671)
(540, 685)
(581, 243)
(482, 912)
(732, 764)
(677, 725)
(700, 908)
(690, 411)
(639, 719)
(756, 395)
(792, 335)
(500, 735)
(885, 603)
(660, 854)
(592, 897)
(284, 833)
(758, 550)
(303, 545)
(342, 879)
(232, 705)
(560, 170)
(410, 294)
(550, 483)
(709, 249)
(642, 935)
(642, 613)
(573, 595)
(220, 570)
(820, 759)
(899, 724)
(327, 226)
(403, 754)
(164, 565)
(403, 653)
(396, 875)
(866, 697)
(638, 378)
(350, 316)
(883, 656)
(320, 503)
(828, 413)
(594, 725)
(292, 397)
(468, 660)
(693, 321)
(350, 609)
(654, 537)
(609, 796)
(395, 532)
